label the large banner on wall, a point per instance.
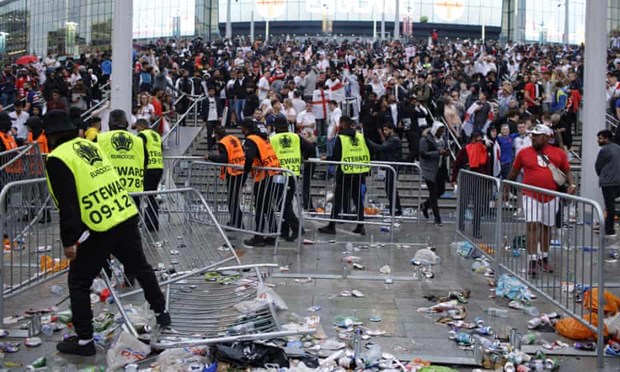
(163, 18)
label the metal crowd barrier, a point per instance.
(523, 223)
(192, 108)
(211, 297)
(241, 205)
(32, 253)
(362, 198)
(409, 189)
(21, 163)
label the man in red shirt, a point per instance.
(533, 94)
(540, 209)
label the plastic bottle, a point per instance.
(534, 323)
(47, 329)
(57, 290)
(349, 247)
(500, 313)
(357, 343)
(530, 338)
(461, 338)
(484, 342)
(531, 311)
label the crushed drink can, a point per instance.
(385, 228)
(614, 254)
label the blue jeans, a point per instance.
(238, 105)
(7, 98)
(331, 169)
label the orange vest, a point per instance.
(266, 158)
(41, 141)
(9, 144)
(234, 150)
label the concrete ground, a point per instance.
(409, 334)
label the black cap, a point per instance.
(56, 121)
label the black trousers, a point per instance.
(479, 194)
(151, 213)
(290, 222)
(307, 177)
(125, 243)
(610, 193)
(389, 190)
(349, 186)
(435, 190)
(413, 139)
(234, 185)
(264, 204)
(210, 127)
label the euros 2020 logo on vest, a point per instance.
(285, 142)
(87, 152)
(122, 141)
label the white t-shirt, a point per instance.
(334, 119)
(19, 123)
(263, 88)
(212, 105)
(308, 122)
(146, 112)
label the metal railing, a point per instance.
(248, 207)
(544, 238)
(88, 114)
(408, 187)
(360, 199)
(32, 253)
(181, 119)
(22, 163)
(156, 122)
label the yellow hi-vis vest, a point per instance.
(153, 147)
(354, 150)
(288, 150)
(103, 201)
(126, 153)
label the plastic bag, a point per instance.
(427, 257)
(480, 266)
(510, 287)
(126, 349)
(590, 302)
(265, 293)
(249, 354)
(573, 329)
(613, 325)
(251, 306)
(50, 265)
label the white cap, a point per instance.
(541, 129)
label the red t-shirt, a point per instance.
(531, 89)
(535, 171)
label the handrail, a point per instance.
(156, 122)
(611, 121)
(193, 106)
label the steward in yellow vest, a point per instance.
(154, 159)
(291, 149)
(350, 147)
(125, 151)
(97, 219)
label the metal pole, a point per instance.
(122, 22)
(228, 21)
(210, 17)
(383, 21)
(252, 27)
(397, 21)
(374, 24)
(566, 27)
(267, 30)
(594, 94)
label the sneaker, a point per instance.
(256, 241)
(612, 349)
(72, 346)
(329, 229)
(546, 267)
(270, 241)
(360, 229)
(163, 319)
(611, 234)
(533, 268)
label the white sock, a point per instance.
(545, 254)
(84, 342)
(532, 257)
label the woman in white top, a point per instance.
(291, 114)
(145, 108)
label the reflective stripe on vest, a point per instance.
(234, 151)
(9, 144)
(266, 157)
(126, 153)
(103, 201)
(354, 150)
(287, 147)
(153, 147)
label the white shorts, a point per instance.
(537, 211)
